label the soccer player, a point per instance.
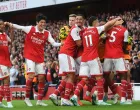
(114, 57)
(67, 62)
(90, 63)
(36, 38)
(64, 32)
(5, 64)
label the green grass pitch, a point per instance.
(20, 105)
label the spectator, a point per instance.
(135, 70)
(21, 79)
(13, 74)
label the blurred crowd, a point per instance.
(132, 19)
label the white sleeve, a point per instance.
(126, 34)
(75, 34)
(52, 41)
(26, 29)
(100, 29)
(8, 38)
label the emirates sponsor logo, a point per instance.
(36, 40)
(3, 43)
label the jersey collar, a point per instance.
(36, 30)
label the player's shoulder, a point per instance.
(75, 28)
(46, 31)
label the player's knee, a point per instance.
(7, 80)
(99, 77)
(31, 76)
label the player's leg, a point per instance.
(7, 91)
(96, 70)
(40, 70)
(6, 84)
(62, 72)
(90, 84)
(129, 86)
(83, 74)
(1, 90)
(31, 73)
(77, 79)
(121, 69)
(107, 68)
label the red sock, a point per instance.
(129, 91)
(79, 87)
(123, 88)
(7, 92)
(41, 86)
(91, 84)
(1, 93)
(100, 89)
(62, 94)
(28, 87)
(60, 88)
(68, 89)
(113, 87)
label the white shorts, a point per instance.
(4, 71)
(91, 68)
(66, 64)
(37, 68)
(77, 65)
(118, 64)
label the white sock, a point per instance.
(100, 101)
(75, 96)
(27, 99)
(123, 99)
(87, 93)
(129, 100)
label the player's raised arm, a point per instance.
(26, 29)
(52, 41)
(113, 22)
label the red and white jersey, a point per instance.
(70, 47)
(35, 42)
(4, 50)
(34, 45)
(114, 42)
(90, 40)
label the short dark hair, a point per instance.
(72, 15)
(40, 16)
(91, 20)
(81, 15)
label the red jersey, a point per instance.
(4, 50)
(90, 40)
(70, 47)
(34, 45)
(114, 42)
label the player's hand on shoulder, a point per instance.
(8, 24)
